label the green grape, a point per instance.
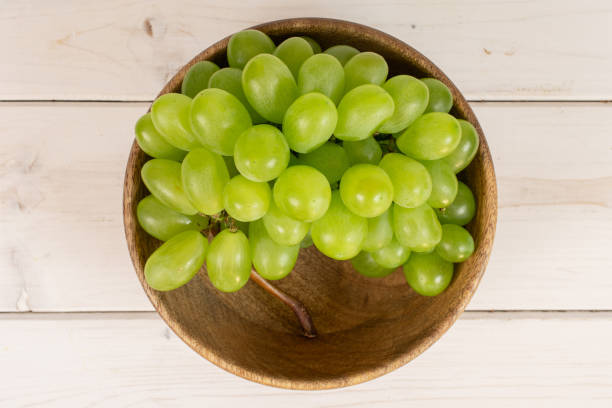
(456, 244)
(365, 264)
(428, 274)
(411, 180)
(154, 144)
(170, 115)
(261, 153)
(380, 232)
(293, 160)
(196, 79)
(363, 151)
(176, 262)
(322, 73)
(431, 137)
(231, 166)
(293, 52)
(365, 68)
(230, 80)
(163, 179)
(343, 53)
(339, 233)
(316, 48)
(462, 210)
(366, 190)
(163, 222)
(361, 111)
(444, 183)
(330, 159)
(269, 86)
(410, 97)
(440, 97)
(246, 44)
(283, 229)
(303, 193)
(391, 256)
(307, 241)
(272, 260)
(466, 150)
(229, 261)
(309, 122)
(246, 200)
(218, 118)
(416, 228)
(204, 176)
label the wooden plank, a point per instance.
(62, 246)
(133, 360)
(125, 50)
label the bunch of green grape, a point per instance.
(289, 146)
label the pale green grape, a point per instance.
(272, 260)
(316, 48)
(230, 80)
(339, 233)
(153, 143)
(428, 274)
(229, 261)
(431, 137)
(462, 210)
(246, 44)
(361, 111)
(366, 190)
(380, 231)
(440, 97)
(196, 79)
(322, 73)
(410, 97)
(176, 262)
(261, 153)
(330, 159)
(309, 122)
(466, 150)
(246, 200)
(170, 115)
(204, 176)
(365, 68)
(343, 53)
(163, 222)
(391, 256)
(293, 52)
(444, 183)
(363, 151)
(283, 229)
(269, 86)
(231, 166)
(365, 264)
(416, 228)
(163, 179)
(456, 244)
(303, 193)
(307, 241)
(411, 180)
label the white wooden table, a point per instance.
(76, 328)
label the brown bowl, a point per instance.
(367, 327)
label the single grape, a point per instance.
(444, 183)
(343, 53)
(322, 73)
(366, 190)
(230, 80)
(380, 232)
(246, 200)
(204, 176)
(309, 122)
(365, 68)
(153, 143)
(363, 151)
(393, 255)
(440, 97)
(466, 150)
(416, 228)
(361, 111)
(283, 229)
(303, 193)
(330, 159)
(293, 52)
(163, 179)
(163, 222)
(229, 261)
(231, 166)
(339, 233)
(261, 153)
(431, 137)
(456, 244)
(428, 274)
(462, 210)
(365, 264)
(176, 262)
(246, 44)
(170, 115)
(316, 48)
(269, 86)
(196, 79)
(411, 180)
(410, 97)
(270, 259)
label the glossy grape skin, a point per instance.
(293, 52)
(153, 143)
(466, 150)
(363, 151)
(283, 229)
(322, 73)
(366, 190)
(163, 179)
(391, 256)
(342, 53)
(462, 210)
(410, 97)
(269, 86)
(231, 166)
(456, 244)
(246, 200)
(176, 262)
(428, 274)
(302, 192)
(162, 222)
(440, 97)
(204, 176)
(380, 232)
(309, 122)
(229, 261)
(365, 264)
(339, 233)
(218, 118)
(246, 44)
(316, 48)
(270, 259)
(230, 80)
(330, 159)
(365, 68)
(261, 153)
(170, 115)
(196, 79)
(411, 180)
(361, 111)
(416, 228)
(444, 183)
(431, 137)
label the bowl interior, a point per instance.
(367, 327)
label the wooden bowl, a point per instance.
(367, 327)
